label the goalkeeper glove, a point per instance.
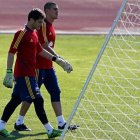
(68, 67)
(64, 64)
(9, 79)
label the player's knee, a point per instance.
(39, 106)
(38, 102)
(15, 100)
(55, 97)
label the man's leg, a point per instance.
(24, 108)
(49, 79)
(57, 108)
(52, 86)
(39, 108)
(58, 112)
(31, 93)
(8, 111)
(19, 125)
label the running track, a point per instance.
(74, 15)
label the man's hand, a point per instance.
(9, 79)
(64, 64)
(68, 67)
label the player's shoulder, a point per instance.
(20, 32)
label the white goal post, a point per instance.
(108, 107)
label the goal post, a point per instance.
(108, 106)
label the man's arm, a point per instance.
(9, 78)
(61, 62)
(10, 60)
(47, 46)
(46, 54)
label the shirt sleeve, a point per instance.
(16, 41)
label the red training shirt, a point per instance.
(26, 45)
(46, 33)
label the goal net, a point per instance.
(108, 107)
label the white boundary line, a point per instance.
(77, 32)
(60, 32)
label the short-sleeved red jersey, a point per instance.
(26, 45)
(46, 33)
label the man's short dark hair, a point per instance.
(36, 14)
(49, 5)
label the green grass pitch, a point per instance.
(81, 52)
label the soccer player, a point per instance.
(27, 47)
(46, 72)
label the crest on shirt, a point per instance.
(50, 33)
(31, 40)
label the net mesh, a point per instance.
(110, 106)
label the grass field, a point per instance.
(81, 52)
(110, 106)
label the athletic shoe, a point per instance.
(70, 127)
(55, 133)
(6, 134)
(21, 127)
